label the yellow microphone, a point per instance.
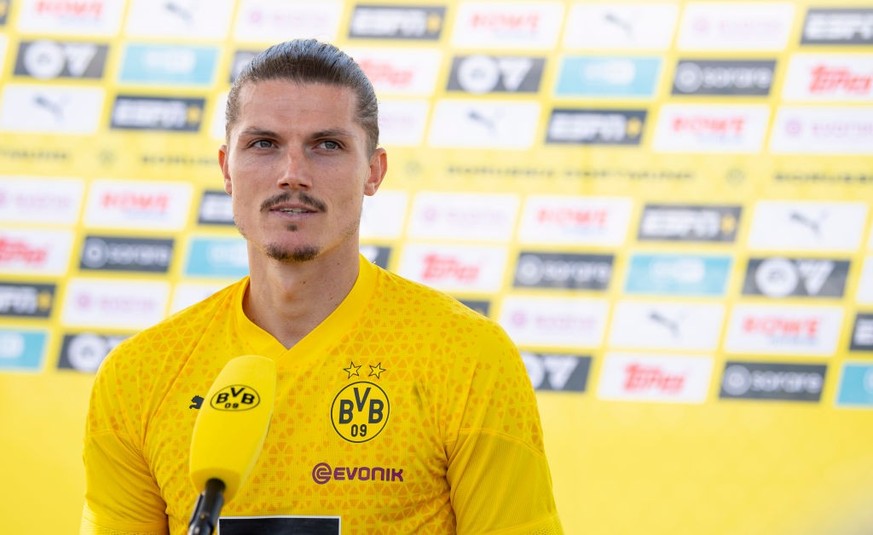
(229, 434)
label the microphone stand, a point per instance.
(207, 509)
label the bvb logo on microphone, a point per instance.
(235, 398)
(360, 411)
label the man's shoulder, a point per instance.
(182, 328)
(409, 296)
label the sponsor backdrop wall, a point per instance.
(666, 204)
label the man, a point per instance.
(398, 410)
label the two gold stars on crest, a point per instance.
(355, 370)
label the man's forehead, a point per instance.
(293, 86)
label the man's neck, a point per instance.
(290, 300)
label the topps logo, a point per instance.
(557, 372)
(596, 127)
(838, 27)
(689, 223)
(157, 113)
(758, 380)
(723, 77)
(390, 22)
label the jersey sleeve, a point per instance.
(498, 472)
(121, 495)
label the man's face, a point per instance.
(297, 167)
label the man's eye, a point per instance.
(330, 145)
(262, 144)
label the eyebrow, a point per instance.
(330, 132)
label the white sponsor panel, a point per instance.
(455, 268)
(35, 252)
(780, 329)
(865, 285)
(52, 201)
(567, 322)
(621, 25)
(528, 25)
(54, 109)
(133, 304)
(666, 325)
(383, 215)
(703, 128)
(757, 26)
(552, 219)
(399, 71)
(186, 294)
(807, 226)
(484, 124)
(659, 378)
(463, 216)
(138, 205)
(218, 117)
(402, 122)
(818, 77)
(182, 19)
(273, 21)
(93, 18)
(822, 130)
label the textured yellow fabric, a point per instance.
(403, 412)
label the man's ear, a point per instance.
(223, 162)
(378, 168)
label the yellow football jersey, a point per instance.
(403, 412)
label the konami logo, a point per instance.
(796, 330)
(455, 268)
(28, 199)
(648, 377)
(721, 26)
(702, 128)
(402, 122)
(464, 216)
(271, 20)
(132, 205)
(554, 321)
(519, 25)
(823, 130)
(115, 303)
(829, 77)
(577, 220)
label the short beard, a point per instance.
(301, 254)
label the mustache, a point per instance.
(302, 197)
